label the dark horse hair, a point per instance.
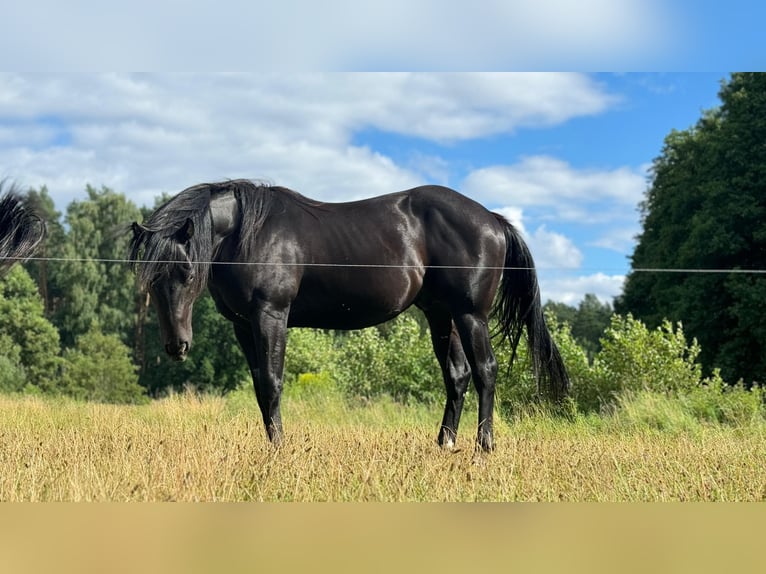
(21, 229)
(155, 238)
(517, 306)
(157, 235)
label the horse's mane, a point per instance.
(257, 201)
(154, 243)
(21, 229)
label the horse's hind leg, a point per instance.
(455, 371)
(474, 333)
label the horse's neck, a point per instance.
(224, 211)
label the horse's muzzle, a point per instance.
(178, 351)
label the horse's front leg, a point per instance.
(244, 333)
(270, 335)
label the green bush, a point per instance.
(313, 385)
(309, 351)
(401, 364)
(640, 376)
(632, 357)
(23, 322)
(717, 402)
(653, 376)
(99, 369)
(12, 375)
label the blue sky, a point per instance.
(565, 156)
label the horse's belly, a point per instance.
(355, 304)
(341, 313)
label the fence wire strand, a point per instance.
(390, 265)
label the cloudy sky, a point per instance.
(563, 155)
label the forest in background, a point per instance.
(73, 322)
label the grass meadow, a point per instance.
(190, 448)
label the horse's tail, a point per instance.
(21, 229)
(518, 305)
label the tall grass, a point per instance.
(214, 449)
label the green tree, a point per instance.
(96, 286)
(99, 368)
(706, 209)
(592, 318)
(39, 267)
(28, 341)
(587, 321)
(561, 311)
(12, 375)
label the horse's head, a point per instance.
(169, 273)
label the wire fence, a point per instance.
(394, 266)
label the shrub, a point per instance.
(313, 384)
(23, 323)
(309, 351)
(99, 369)
(401, 365)
(717, 402)
(634, 358)
(653, 376)
(12, 375)
(641, 376)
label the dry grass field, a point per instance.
(212, 449)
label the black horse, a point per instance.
(21, 230)
(272, 259)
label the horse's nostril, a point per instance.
(179, 350)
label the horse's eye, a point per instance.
(187, 273)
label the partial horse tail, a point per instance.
(21, 228)
(518, 305)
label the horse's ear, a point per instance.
(186, 232)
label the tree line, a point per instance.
(73, 320)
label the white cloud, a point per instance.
(620, 239)
(144, 134)
(571, 290)
(581, 195)
(515, 215)
(554, 250)
(550, 189)
(550, 250)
